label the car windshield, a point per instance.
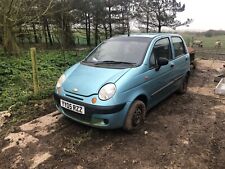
(120, 50)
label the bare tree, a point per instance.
(160, 13)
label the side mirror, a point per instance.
(162, 62)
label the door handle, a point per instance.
(172, 65)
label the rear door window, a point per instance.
(179, 48)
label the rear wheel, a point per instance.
(135, 116)
(183, 86)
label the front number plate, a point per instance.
(73, 107)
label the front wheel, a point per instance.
(183, 87)
(136, 116)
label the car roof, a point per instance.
(149, 35)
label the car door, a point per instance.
(160, 79)
(181, 60)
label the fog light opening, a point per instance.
(106, 121)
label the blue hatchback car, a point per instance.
(122, 78)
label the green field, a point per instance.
(208, 42)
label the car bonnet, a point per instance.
(87, 80)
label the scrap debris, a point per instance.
(220, 88)
(191, 51)
(3, 117)
(221, 74)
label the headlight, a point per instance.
(60, 81)
(107, 91)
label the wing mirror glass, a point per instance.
(162, 62)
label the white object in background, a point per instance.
(220, 88)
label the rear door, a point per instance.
(181, 60)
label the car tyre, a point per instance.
(135, 116)
(184, 86)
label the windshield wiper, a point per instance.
(84, 61)
(114, 62)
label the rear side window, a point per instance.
(179, 47)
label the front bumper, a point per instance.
(96, 116)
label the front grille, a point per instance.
(82, 117)
(78, 98)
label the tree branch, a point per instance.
(10, 7)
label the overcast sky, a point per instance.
(206, 14)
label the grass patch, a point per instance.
(16, 75)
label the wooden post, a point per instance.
(34, 70)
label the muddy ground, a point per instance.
(184, 131)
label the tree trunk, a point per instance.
(96, 33)
(67, 36)
(159, 21)
(49, 33)
(127, 9)
(9, 40)
(159, 28)
(123, 24)
(67, 39)
(35, 33)
(128, 26)
(106, 31)
(87, 27)
(147, 29)
(110, 23)
(45, 35)
(53, 39)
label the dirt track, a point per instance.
(184, 131)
